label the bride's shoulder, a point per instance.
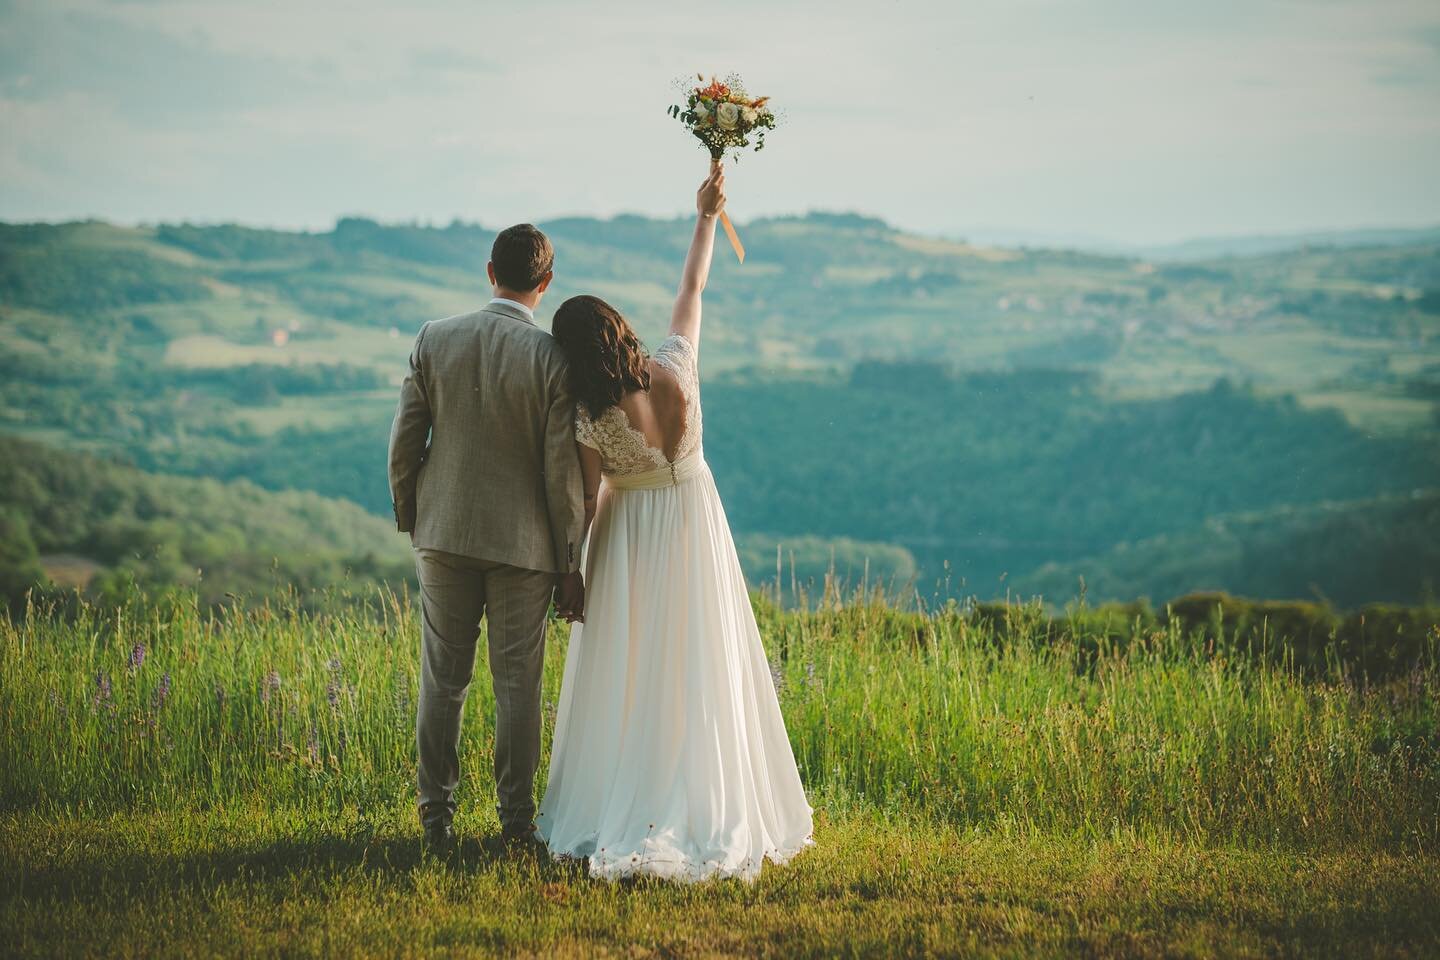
(677, 355)
(587, 431)
(677, 342)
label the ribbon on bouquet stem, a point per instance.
(734, 237)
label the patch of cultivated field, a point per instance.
(1295, 359)
(1374, 411)
(385, 350)
(435, 299)
(324, 412)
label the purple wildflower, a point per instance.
(162, 692)
(312, 744)
(102, 690)
(137, 657)
(271, 684)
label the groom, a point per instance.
(486, 480)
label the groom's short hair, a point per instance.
(522, 255)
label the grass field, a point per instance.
(180, 783)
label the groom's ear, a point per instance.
(545, 281)
(490, 271)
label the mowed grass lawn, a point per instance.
(176, 783)
(307, 882)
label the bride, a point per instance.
(670, 756)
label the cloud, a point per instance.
(452, 60)
(144, 76)
(1139, 119)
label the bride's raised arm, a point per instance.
(709, 201)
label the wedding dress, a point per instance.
(670, 756)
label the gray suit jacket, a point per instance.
(482, 452)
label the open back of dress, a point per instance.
(623, 449)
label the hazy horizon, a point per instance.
(1118, 123)
(985, 236)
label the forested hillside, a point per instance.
(1346, 553)
(99, 525)
(997, 474)
(974, 420)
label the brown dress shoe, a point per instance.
(437, 835)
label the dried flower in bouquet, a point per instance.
(723, 117)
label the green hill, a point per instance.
(99, 524)
(986, 477)
(820, 291)
(956, 414)
(1385, 549)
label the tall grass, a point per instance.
(935, 715)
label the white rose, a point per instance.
(701, 111)
(727, 115)
(750, 115)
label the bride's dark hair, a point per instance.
(606, 359)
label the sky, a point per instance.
(1128, 121)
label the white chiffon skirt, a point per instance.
(670, 756)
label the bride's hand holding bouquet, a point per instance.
(722, 116)
(710, 198)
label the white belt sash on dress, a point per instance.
(668, 476)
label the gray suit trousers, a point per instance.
(455, 593)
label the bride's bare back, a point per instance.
(646, 431)
(659, 415)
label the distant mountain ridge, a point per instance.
(1221, 247)
(640, 230)
(1214, 248)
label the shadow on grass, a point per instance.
(397, 859)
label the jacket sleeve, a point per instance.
(564, 487)
(409, 437)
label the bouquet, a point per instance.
(723, 117)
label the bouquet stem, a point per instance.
(735, 244)
(734, 237)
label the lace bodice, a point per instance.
(623, 449)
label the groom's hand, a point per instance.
(570, 597)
